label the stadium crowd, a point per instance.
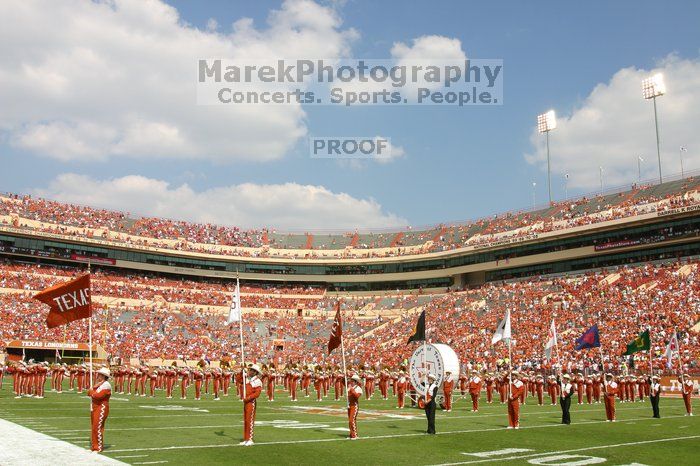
(73, 220)
(146, 317)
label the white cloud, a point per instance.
(284, 206)
(91, 80)
(424, 51)
(428, 47)
(393, 152)
(614, 125)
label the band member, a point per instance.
(99, 408)
(539, 389)
(489, 388)
(552, 389)
(198, 377)
(589, 389)
(503, 387)
(611, 389)
(184, 382)
(463, 382)
(430, 402)
(318, 381)
(641, 384)
(580, 387)
(401, 385)
(597, 383)
(447, 387)
(271, 375)
(339, 383)
(567, 389)
(354, 394)
(217, 377)
(654, 395)
(517, 388)
(475, 390)
(253, 389)
(152, 379)
(687, 391)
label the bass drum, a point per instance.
(437, 359)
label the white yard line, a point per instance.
(598, 447)
(41, 449)
(441, 418)
(323, 440)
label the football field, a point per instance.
(159, 431)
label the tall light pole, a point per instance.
(680, 152)
(534, 185)
(566, 186)
(600, 174)
(652, 88)
(546, 122)
(640, 159)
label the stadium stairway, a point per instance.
(396, 241)
(610, 279)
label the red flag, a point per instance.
(68, 301)
(336, 331)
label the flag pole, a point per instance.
(425, 340)
(65, 333)
(678, 353)
(602, 368)
(90, 329)
(345, 372)
(556, 345)
(240, 329)
(510, 368)
(651, 362)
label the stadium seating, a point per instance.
(67, 219)
(149, 317)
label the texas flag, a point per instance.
(68, 301)
(589, 339)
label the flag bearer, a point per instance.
(99, 394)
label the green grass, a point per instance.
(286, 433)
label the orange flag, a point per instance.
(68, 301)
(336, 331)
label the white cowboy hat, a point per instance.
(104, 371)
(256, 368)
(432, 377)
(356, 378)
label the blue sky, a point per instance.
(460, 163)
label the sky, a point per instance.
(98, 106)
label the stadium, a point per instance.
(141, 329)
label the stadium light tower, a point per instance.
(652, 88)
(566, 186)
(534, 203)
(546, 122)
(600, 174)
(680, 152)
(640, 159)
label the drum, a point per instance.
(437, 359)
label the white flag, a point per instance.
(503, 329)
(671, 348)
(234, 313)
(551, 341)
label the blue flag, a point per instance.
(589, 339)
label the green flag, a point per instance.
(641, 343)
